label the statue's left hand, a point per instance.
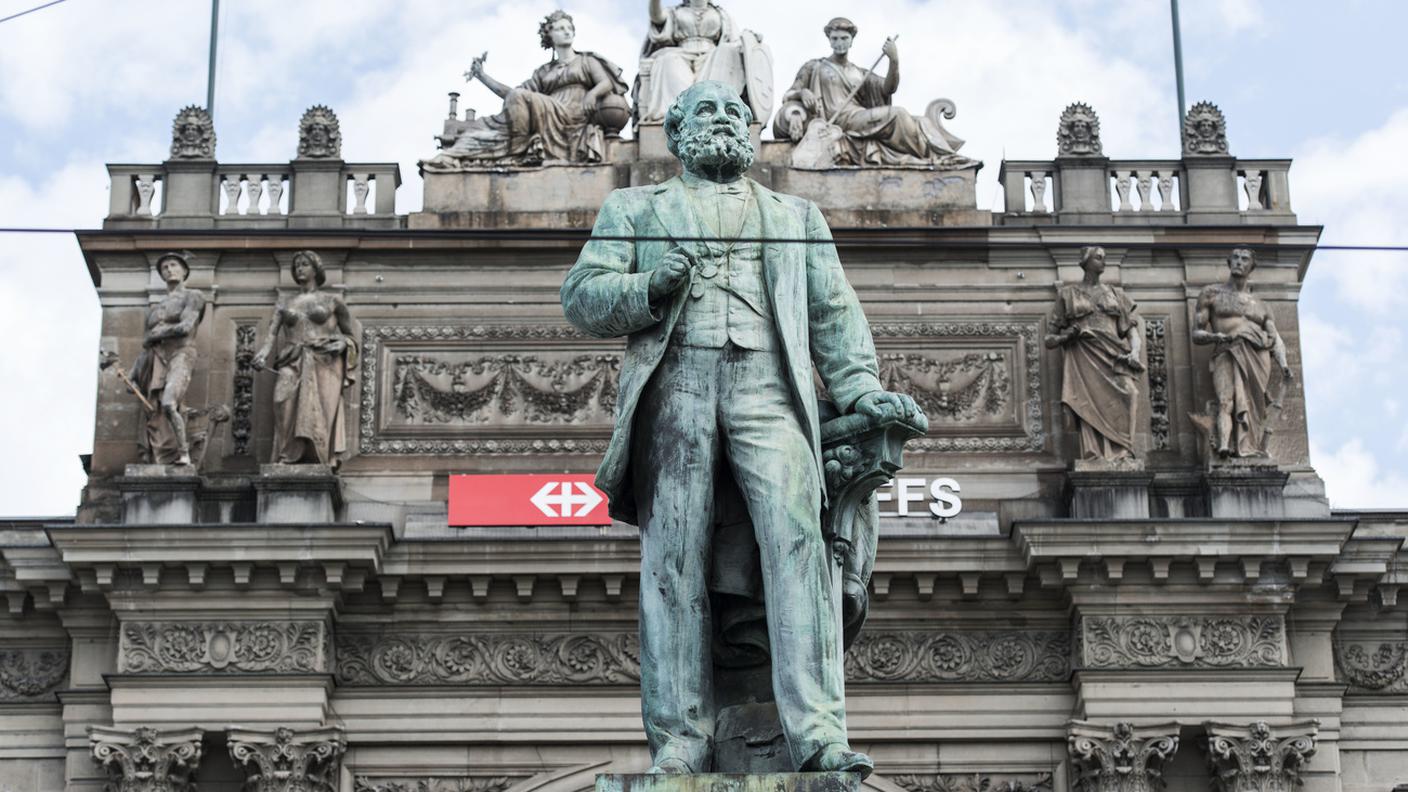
(890, 49)
(877, 403)
(1287, 374)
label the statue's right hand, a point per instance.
(260, 360)
(672, 273)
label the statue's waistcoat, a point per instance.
(728, 298)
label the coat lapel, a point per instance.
(674, 214)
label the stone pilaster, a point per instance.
(147, 760)
(288, 760)
(1258, 758)
(1120, 758)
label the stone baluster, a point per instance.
(1123, 182)
(1252, 184)
(1120, 758)
(361, 188)
(254, 189)
(147, 760)
(1039, 191)
(288, 760)
(276, 193)
(1258, 758)
(230, 183)
(146, 188)
(1166, 192)
(1144, 182)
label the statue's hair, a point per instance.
(179, 256)
(544, 37)
(675, 115)
(1088, 252)
(320, 273)
(841, 23)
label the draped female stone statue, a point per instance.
(1246, 344)
(315, 363)
(871, 131)
(563, 112)
(694, 41)
(1097, 330)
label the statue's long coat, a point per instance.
(819, 320)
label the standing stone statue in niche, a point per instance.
(1100, 335)
(694, 41)
(1204, 131)
(319, 134)
(716, 395)
(315, 363)
(856, 117)
(162, 372)
(1079, 133)
(1246, 345)
(193, 134)
(563, 113)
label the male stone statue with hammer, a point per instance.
(728, 294)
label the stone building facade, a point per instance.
(1175, 623)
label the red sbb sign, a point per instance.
(554, 499)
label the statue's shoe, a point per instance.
(838, 757)
(669, 766)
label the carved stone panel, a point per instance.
(999, 656)
(978, 381)
(285, 760)
(32, 674)
(1373, 666)
(1179, 641)
(147, 760)
(242, 420)
(486, 389)
(1204, 131)
(229, 647)
(1122, 757)
(433, 783)
(1258, 758)
(488, 659)
(1156, 352)
(976, 782)
(193, 134)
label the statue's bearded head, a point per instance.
(707, 128)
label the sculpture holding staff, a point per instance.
(694, 41)
(162, 372)
(723, 332)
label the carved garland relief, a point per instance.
(242, 423)
(976, 782)
(1156, 351)
(1375, 667)
(233, 647)
(433, 783)
(31, 674)
(1159, 641)
(953, 656)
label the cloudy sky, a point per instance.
(88, 82)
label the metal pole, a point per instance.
(1178, 64)
(210, 70)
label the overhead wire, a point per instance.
(31, 11)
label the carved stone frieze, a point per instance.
(1257, 757)
(437, 389)
(1156, 352)
(285, 760)
(1373, 666)
(232, 647)
(1204, 131)
(319, 134)
(505, 389)
(1079, 132)
(32, 674)
(433, 783)
(242, 420)
(1120, 758)
(982, 393)
(1163, 641)
(998, 656)
(976, 782)
(147, 760)
(193, 134)
(488, 659)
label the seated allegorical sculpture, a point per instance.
(1246, 344)
(1096, 327)
(850, 109)
(316, 362)
(694, 41)
(563, 113)
(162, 372)
(716, 393)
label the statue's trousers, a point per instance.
(717, 412)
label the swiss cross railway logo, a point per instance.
(551, 499)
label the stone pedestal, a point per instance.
(297, 494)
(1210, 190)
(159, 494)
(1110, 494)
(729, 782)
(1245, 491)
(1083, 189)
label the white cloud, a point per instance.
(1356, 479)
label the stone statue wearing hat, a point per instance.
(162, 372)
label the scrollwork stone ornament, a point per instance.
(1258, 758)
(1204, 131)
(285, 760)
(1179, 641)
(488, 659)
(147, 760)
(228, 647)
(1120, 758)
(319, 134)
(976, 782)
(31, 674)
(1079, 133)
(1005, 656)
(432, 783)
(1368, 666)
(193, 134)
